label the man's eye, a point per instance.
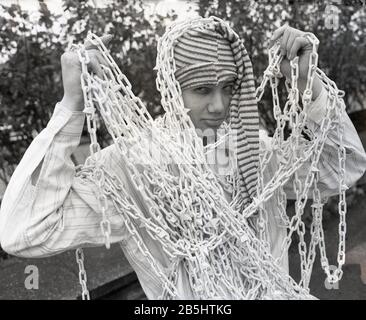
(228, 88)
(202, 90)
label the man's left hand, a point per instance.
(293, 42)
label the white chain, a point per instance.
(188, 214)
(82, 274)
(334, 105)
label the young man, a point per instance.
(47, 209)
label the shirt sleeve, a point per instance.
(61, 210)
(355, 164)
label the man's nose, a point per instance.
(217, 104)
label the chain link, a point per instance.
(82, 274)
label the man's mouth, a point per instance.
(214, 121)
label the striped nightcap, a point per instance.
(203, 57)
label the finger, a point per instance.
(285, 67)
(102, 60)
(105, 40)
(299, 43)
(94, 66)
(284, 40)
(88, 45)
(289, 44)
(98, 55)
(277, 34)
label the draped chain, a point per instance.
(223, 246)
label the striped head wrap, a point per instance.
(210, 53)
(203, 58)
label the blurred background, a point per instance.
(33, 36)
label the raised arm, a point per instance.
(46, 208)
(293, 42)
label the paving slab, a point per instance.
(58, 275)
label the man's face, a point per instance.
(208, 104)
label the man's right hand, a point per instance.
(71, 72)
